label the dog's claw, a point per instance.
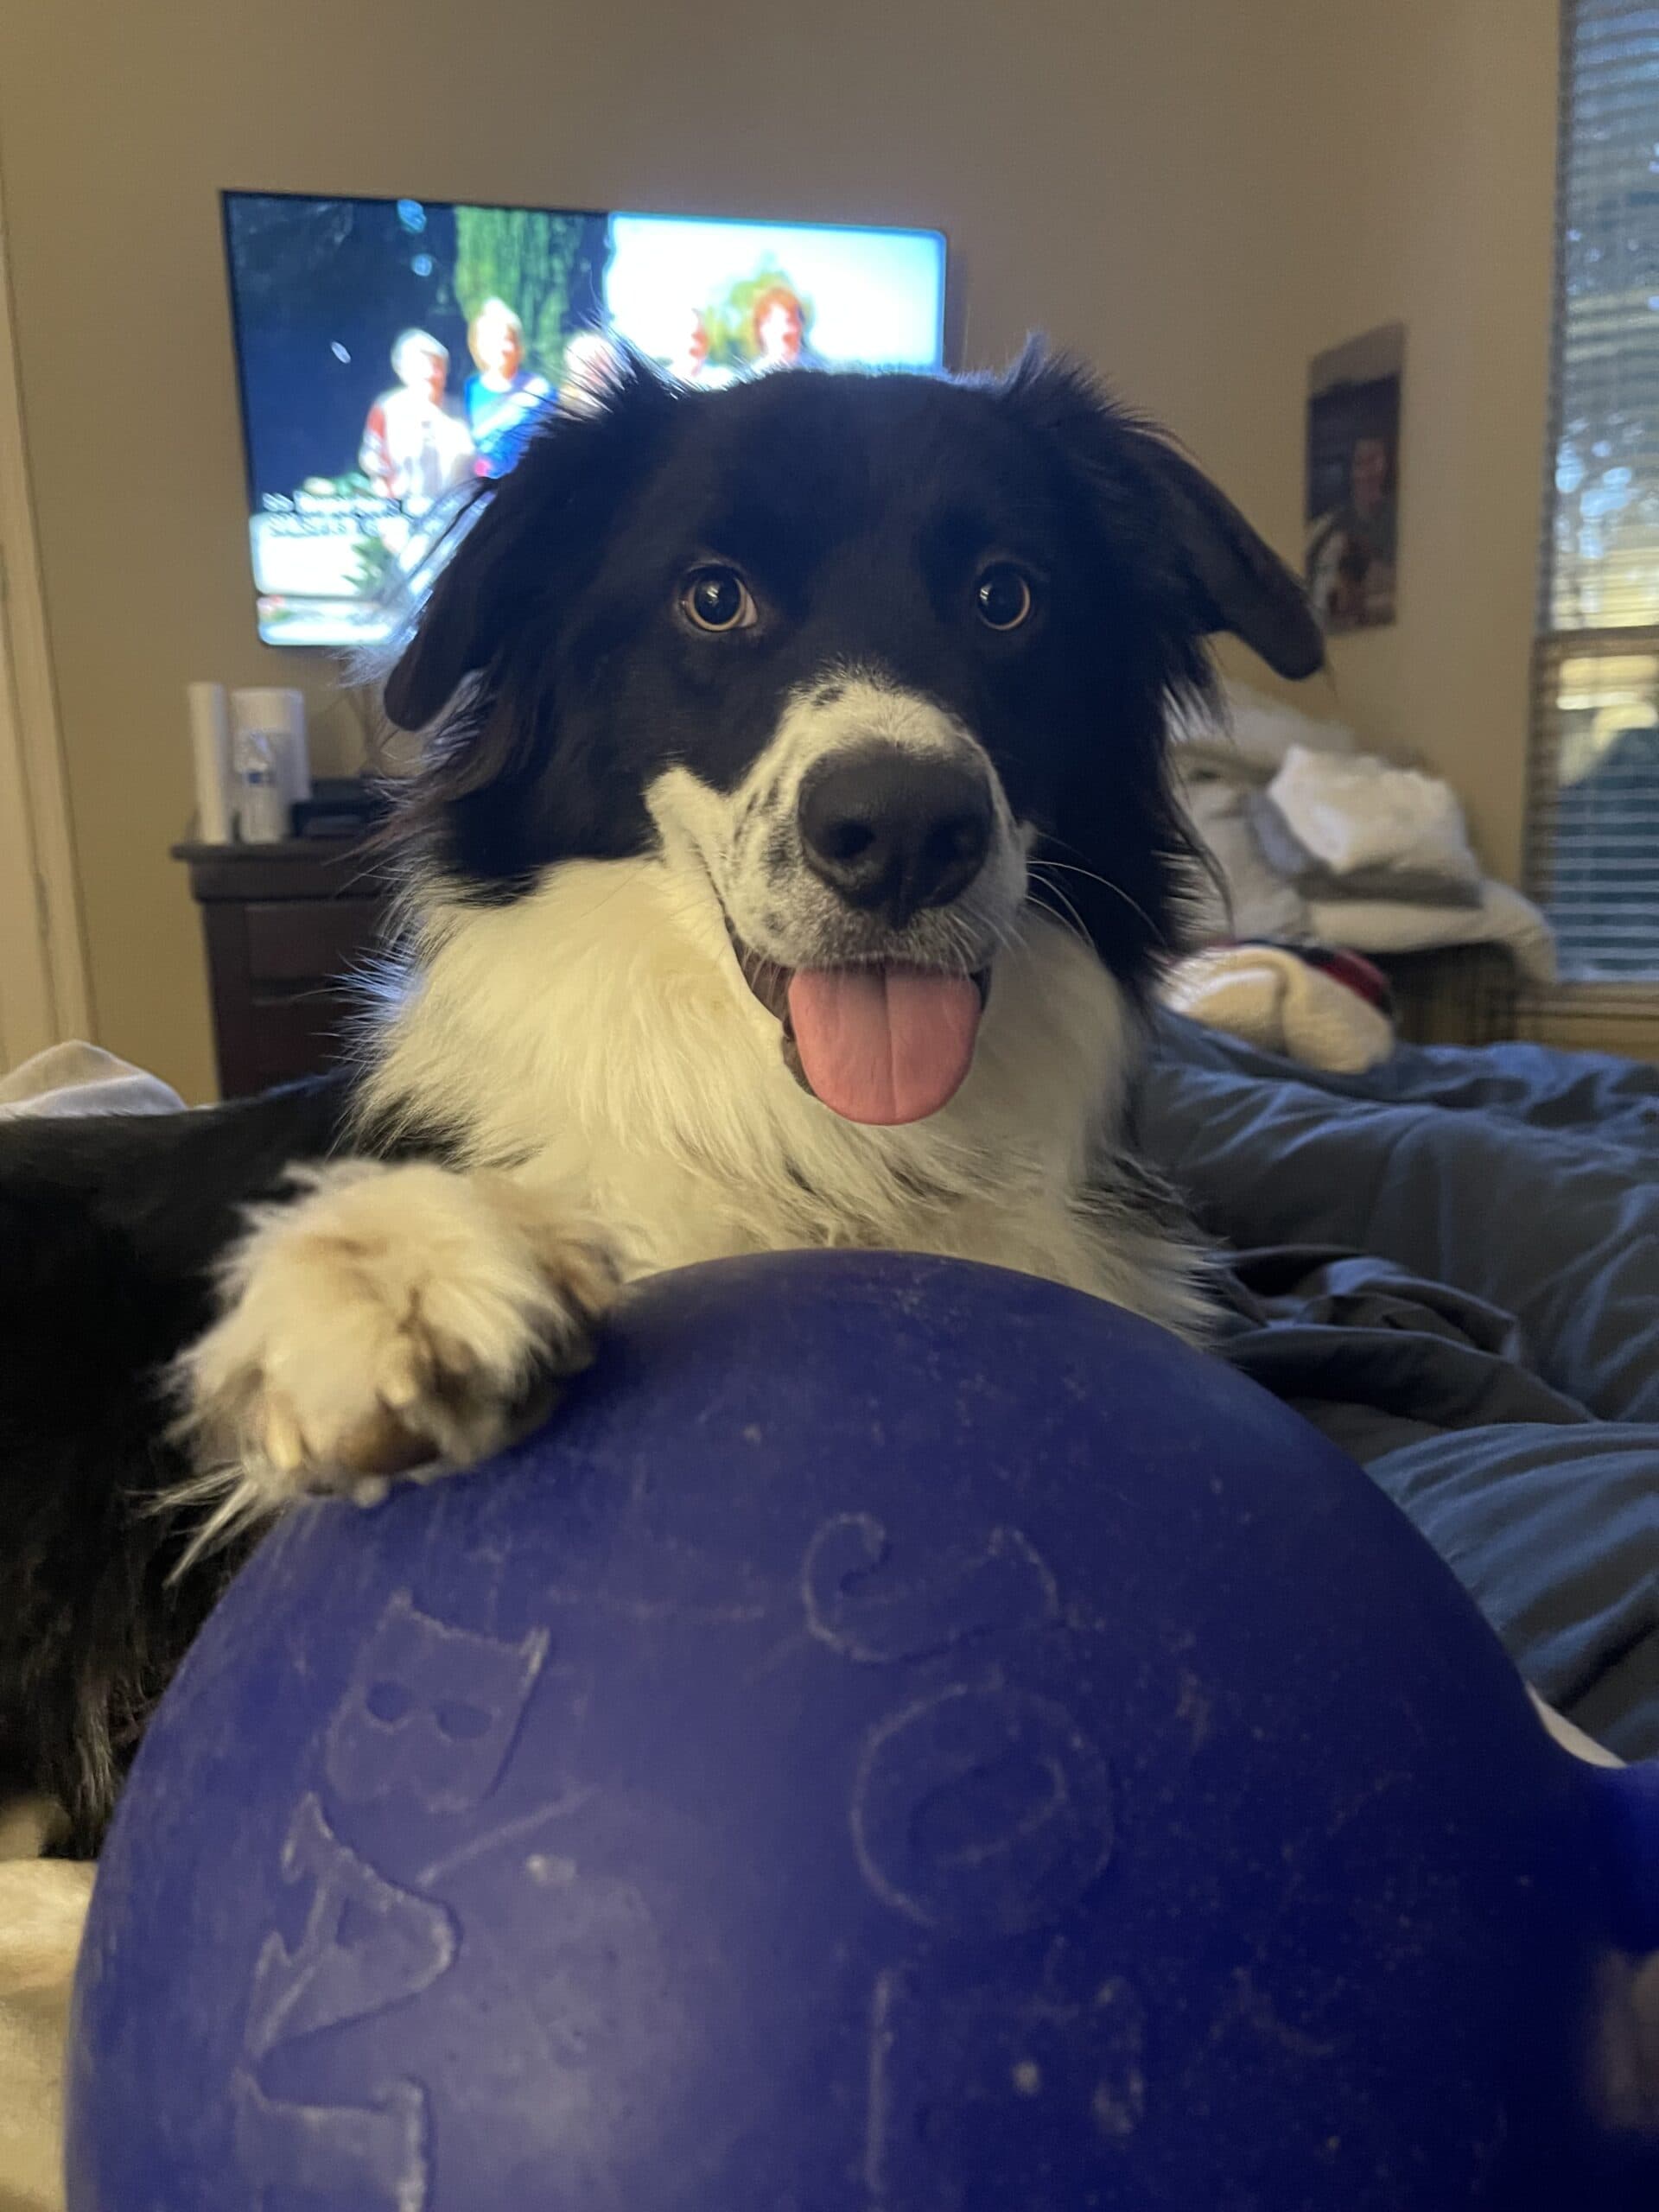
(284, 1443)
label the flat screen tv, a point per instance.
(390, 352)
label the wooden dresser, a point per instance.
(284, 925)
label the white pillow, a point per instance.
(1358, 813)
(1259, 730)
(1258, 903)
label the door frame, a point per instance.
(45, 992)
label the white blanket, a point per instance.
(42, 1905)
(1385, 926)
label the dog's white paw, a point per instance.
(389, 1321)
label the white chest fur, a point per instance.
(596, 1035)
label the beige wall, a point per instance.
(1197, 194)
(1441, 216)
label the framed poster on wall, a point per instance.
(1353, 480)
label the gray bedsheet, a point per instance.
(1451, 1265)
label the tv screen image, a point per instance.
(391, 353)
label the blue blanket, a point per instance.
(1451, 1265)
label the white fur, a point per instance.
(597, 1053)
(599, 1031)
(393, 1317)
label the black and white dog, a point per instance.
(792, 859)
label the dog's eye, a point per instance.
(1003, 596)
(718, 599)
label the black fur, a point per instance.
(111, 1228)
(860, 508)
(560, 681)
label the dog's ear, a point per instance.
(1240, 583)
(1228, 577)
(526, 538)
(460, 627)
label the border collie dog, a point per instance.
(792, 856)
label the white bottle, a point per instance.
(210, 753)
(279, 715)
(261, 802)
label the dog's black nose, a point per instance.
(894, 831)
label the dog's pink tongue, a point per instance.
(883, 1044)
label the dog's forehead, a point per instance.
(833, 457)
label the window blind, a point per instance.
(1594, 780)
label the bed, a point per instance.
(1451, 1265)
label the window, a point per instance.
(1595, 765)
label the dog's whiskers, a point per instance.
(960, 936)
(1069, 919)
(1093, 875)
(1005, 934)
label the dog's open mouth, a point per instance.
(880, 1044)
